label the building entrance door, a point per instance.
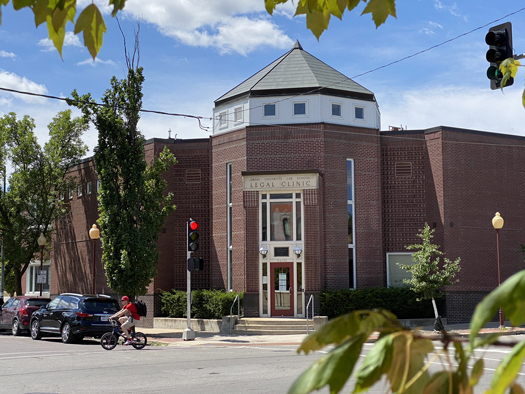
(281, 289)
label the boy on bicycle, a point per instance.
(127, 316)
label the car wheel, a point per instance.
(67, 335)
(35, 330)
(15, 328)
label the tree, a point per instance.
(427, 278)
(403, 356)
(39, 174)
(57, 13)
(132, 204)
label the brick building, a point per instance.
(298, 191)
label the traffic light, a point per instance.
(499, 39)
(195, 264)
(193, 235)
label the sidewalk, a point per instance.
(171, 337)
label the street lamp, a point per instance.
(94, 233)
(41, 242)
(497, 223)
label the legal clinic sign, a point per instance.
(281, 182)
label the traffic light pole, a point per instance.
(188, 334)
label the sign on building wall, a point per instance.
(281, 182)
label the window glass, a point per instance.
(88, 188)
(53, 304)
(298, 218)
(351, 272)
(223, 121)
(37, 302)
(396, 274)
(100, 306)
(264, 221)
(65, 303)
(79, 190)
(280, 196)
(359, 113)
(98, 185)
(8, 303)
(300, 290)
(265, 288)
(336, 109)
(350, 224)
(281, 220)
(70, 194)
(349, 183)
(269, 109)
(238, 114)
(299, 108)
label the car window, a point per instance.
(37, 301)
(100, 306)
(53, 304)
(15, 303)
(8, 303)
(65, 303)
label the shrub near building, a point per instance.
(401, 301)
(206, 304)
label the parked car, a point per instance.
(74, 316)
(16, 313)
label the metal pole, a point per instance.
(41, 268)
(2, 279)
(94, 261)
(188, 334)
(501, 317)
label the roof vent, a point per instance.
(404, 169)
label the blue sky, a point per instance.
(195, 51)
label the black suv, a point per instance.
(74, 316)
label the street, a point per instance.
(49, 366)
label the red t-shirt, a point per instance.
(133, 309)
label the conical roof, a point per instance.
(297, 72)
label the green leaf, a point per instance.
(508, 369)
(516, 389)
(439, 383)
(118, 5)
(92, 24)
(377, 362)
(484, 340)
(338, 330)
(523, 98)
(41, 11)
(333, 369)
(477, 371)
(64, 11)
(380, 10)
(19, 4)
(353, 3)
(510, 296)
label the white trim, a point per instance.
(79, 190)
(88, 188)
(352, 246)
(36, 290)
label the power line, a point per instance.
(72, 101)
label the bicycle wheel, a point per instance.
(108, 341)
(139, 340)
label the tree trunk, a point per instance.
(18, 282)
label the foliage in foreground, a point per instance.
(207, 304)
(56, 14)
(403, 356)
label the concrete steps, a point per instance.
(271, 326)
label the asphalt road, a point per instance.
(49, 366)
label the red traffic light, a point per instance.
(193, 225)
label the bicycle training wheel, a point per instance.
(139, 340)
(108, 341)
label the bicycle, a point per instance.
(110, 339)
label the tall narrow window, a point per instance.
(88, 188)
(229, 187)
(351, 221)
(223, 119)
(238, 115)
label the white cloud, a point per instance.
(455, 107)
(452, 9)
(7, 54)
(431, 30)
(96, 62)
(70, 40)
(227, 25)
(15, 82)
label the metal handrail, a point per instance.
(307, 319)
(238, 310)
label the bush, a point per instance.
(401, 301)
(206, 304)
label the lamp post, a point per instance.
(94, 234)
(41, 242)
(497, 223)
